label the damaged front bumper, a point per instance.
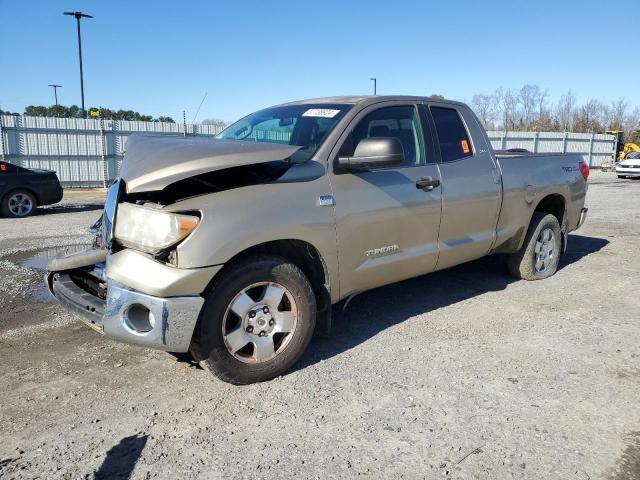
(162, 317)
(130, 316)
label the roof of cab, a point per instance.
(368, 99)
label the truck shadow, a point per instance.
(376, 310)
(579, 247)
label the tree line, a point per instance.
(74, 111)
(214, 121)
(529, 109)
(524, 109)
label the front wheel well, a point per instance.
(302, 254)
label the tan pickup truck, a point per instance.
(234, 248)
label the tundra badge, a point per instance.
(376, 252)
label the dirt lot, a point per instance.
(460, 374)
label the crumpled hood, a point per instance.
(153, 162)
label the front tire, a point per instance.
(18, 204)
(257, 320)
(539, 255)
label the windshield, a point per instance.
(633, 155)
(303, 125)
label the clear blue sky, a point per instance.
(160, 57)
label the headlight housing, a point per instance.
(150, 229)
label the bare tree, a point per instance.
(542, 102)
(485, 107)
(631, 126)
(544, 118)
(529, 100)
(528, 109)
(214, 121)
(617, 114)
(593, 116)
(507, 102)
(546, 122)
(564, 111)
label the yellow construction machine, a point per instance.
(623, 149)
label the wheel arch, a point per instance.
(551, 203)
(301, 253)
(26, 189)
(4, 200)
(556, 205)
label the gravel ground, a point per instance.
(459, 374)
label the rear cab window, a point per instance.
(453, 137)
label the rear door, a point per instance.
(387, 228)
(472, 186)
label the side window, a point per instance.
(396, 122)
(452, 135)
(275, 130)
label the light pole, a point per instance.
(78, 16)
(55, 91)
(375, 86)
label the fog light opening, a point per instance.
(138, 318)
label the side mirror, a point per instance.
(374, 152)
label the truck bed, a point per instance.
(526, 179)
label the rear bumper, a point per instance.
(583, 217)
(130, 316)
(635, 172)
(49, 192)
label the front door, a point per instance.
(387, 227)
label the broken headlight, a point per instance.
(151, 229)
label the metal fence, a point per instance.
(84, 152)
(595, 148)
(88, 153)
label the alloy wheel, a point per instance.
(20, 204)
(544, 250)
(259, 322)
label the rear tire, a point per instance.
(18, 204)
(239, 343)
(540, 253)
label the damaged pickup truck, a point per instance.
(234, 248)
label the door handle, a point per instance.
(427, 183)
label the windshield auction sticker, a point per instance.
(321, 112)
